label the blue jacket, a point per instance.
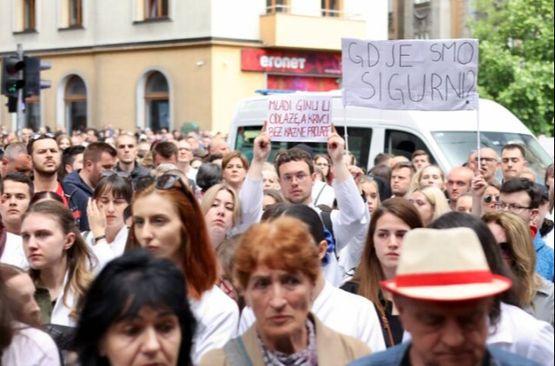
(394, 357)
(544, 258)
(78, 193)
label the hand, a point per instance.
(336, 146)
(356, 172)
(97, 220)
(478, 185)
(262, 146)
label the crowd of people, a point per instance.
(169, 248)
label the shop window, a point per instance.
(76, 104)
(157, 102)
(75, 13)
(156, 9)
(29, 15)
(32, 112)
(331, 8)
(276, 6)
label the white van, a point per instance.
(448, 136)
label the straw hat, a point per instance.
(444, 265)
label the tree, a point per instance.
(516, 58)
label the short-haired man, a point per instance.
(218, 146)
(72, 159)
(184, 157)
(17, 191)
(523, 198)
(79, 185)
(513, 160)
(126, 146)
(489, 163)
(459, 181)
(420, 159)
(16, 159)
(401, 176)
(47, 158)
(164, 152)
(444, 293)
(349, 223)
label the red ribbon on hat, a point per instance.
(443, 278)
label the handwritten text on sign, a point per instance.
(299, 118)
(411, 74)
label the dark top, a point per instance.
(79, 193)
(393, 335)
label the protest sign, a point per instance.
(411, 74)
(301, 118)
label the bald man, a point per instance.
(458, 183)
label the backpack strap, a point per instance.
(236, 353)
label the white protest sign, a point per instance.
(301, 118)
(411, 74)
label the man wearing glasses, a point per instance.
(522, 197)
(126, 146)
(489, 163)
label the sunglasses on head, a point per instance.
(168, 181)
(39, 136)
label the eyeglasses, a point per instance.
(486, 160)
(511, 207)
(489, 198)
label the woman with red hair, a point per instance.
(168, 222)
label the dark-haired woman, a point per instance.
(169, 223)
(136, 313)
(388, 226)
(106, 208)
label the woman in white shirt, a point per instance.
(105, 210)
(168, 222)
(59, 259)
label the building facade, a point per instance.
(428, 19)
(162, 63)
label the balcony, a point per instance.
(282, 29)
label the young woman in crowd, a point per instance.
(370, 192)
(108, 232)
(429, 176)
(59, 259)
(21, 344)
(45, 196)
(136, 313)
(270, 178)
(430, 203)
(323, 162)
(63, 141)
(464, 203)
(535, 294)
(271, 197)
(169, 223)
(234, 169)
(389, 224)
(278, 263)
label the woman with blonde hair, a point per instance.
(430, 203)
(429, 176)
(59, 259)
(535, 294)
(370, 192)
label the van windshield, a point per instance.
(359, 143)
(456, 146)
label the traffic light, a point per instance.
(31, 76)
(12, 78)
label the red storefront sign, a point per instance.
(291, 62)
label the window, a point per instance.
(155, 9)
(330, 8)
(75, 13)
(276, 6)
(29, 15)
(32, 112)
(359, 143)
(76, 104)
(403, 143)
(157, 102)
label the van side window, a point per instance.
(403, 143)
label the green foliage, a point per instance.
(516, 58)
